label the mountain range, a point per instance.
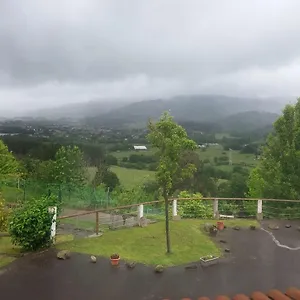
(227, 112)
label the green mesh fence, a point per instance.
(83, 197)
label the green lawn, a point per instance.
(8, 251)
(147, 245)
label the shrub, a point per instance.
(194, 208)
(30, 224)
(229, 207)
(4, 213)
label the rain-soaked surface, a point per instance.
(255, 262)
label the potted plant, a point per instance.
(213, 230)
(220, 225)
(115, 259)
(208, 260)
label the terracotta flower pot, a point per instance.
(220, 225)
(115, 261)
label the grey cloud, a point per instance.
(50, 49)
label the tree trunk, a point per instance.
(167, 221)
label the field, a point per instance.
(128, 177)
(132, 177)
(236, 156)
(208, 153)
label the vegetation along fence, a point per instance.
(77, 197)
(85, 223)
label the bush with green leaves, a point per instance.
(4, 214)
(194, 208)
(30, 224)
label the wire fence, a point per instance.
(80, 206)
(271, 209)
(99, 221)
(79, 197)
(86, 223)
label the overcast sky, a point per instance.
(61, 51)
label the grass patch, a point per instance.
(132, 177)
(7, 247)
(7, 250)
(63, 238)
(5, 260)
(147, 245)
(129, 178)
(77, 223)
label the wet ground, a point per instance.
(255, 262)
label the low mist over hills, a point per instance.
(228, 113)
(210, 109)
(77, 111)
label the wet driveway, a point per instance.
(255, 263)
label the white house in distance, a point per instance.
(140, 147)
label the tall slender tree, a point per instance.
(171, 141)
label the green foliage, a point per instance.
(4, 214)
(111, 160)
(104, 176)
(255, 183)
(69, 166)
(278, 173)
(194, 208)
(91, 198)
(229, 207)
(130, 196)
(151, 187)
(235, 188)
(8, 163)
(30, 224)
(172, 141)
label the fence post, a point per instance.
(216, 209)
(259, 215)
(174, 208)
(53, 210)
(140, 211)
(97, 223)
